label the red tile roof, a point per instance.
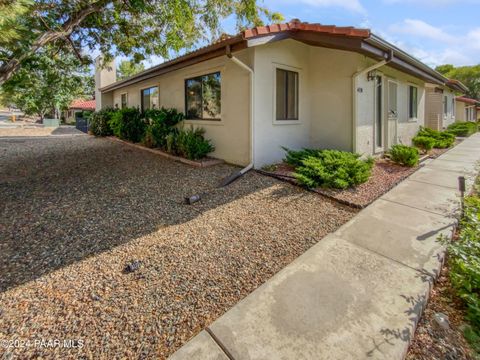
(82, 104)
(296, 25)
(467, 100)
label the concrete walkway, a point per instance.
(359, 292)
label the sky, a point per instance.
(435, 31)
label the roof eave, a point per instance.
(235, 43)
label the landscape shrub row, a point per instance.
(464, 255)
(329, 168)
(463, 129)
(438, 139)
(154, 128)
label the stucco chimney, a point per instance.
(104, 76)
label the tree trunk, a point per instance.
(12, 65)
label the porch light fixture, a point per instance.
(372, 75)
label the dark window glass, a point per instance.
(203, 97)
(286, 95)
(413, 102)
(445, 105)
(150, 98)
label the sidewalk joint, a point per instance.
(416, 208)
(219, 343)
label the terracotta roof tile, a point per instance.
(466, 100)
(295, 25)
(82, 104)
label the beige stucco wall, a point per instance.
(231, 135)
(406, 128)
(433, 108)
(104, 76)
(270, 134)
(331, 102)
(325, 99)
(435, 116)
(460, 111)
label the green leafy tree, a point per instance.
(12, 28)
(127, 68)
(133, 28)
(47, 83)
(468, 75)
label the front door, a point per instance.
(392, 114)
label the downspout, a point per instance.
(228, 180)
(355, 78)
(244, 66)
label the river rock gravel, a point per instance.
(75, 211)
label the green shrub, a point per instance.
(463, 129)
(160, 123)
(128, 124)
(404, 155)
(295, 157)
(87, 114)
(190, 143)
(423, 142)
(100, 122)
(333, 169)
(443, 139)
(464, 255)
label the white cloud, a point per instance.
(350, 5)
(434, 45)
(421, 29)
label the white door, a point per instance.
(392, 114)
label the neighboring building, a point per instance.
(466, 109)
(440, 104)
(478, 113)
(294, 85)
(78, 106)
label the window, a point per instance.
(445, 105)
(286, 95)
(203, 97)
(149, 98)
(412, 102)
(124, 101)
(378, 112)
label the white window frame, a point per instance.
(298, 70)
(126, 102)
(412, 119)
(379, 149)
(141, 94)
(223, 95)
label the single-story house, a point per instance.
(78, 106)
(294, 85)
(466, 109)
(440, 104)
(478, 113)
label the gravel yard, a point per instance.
(75, 210)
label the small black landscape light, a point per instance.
(462, 187)
(461, 184)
